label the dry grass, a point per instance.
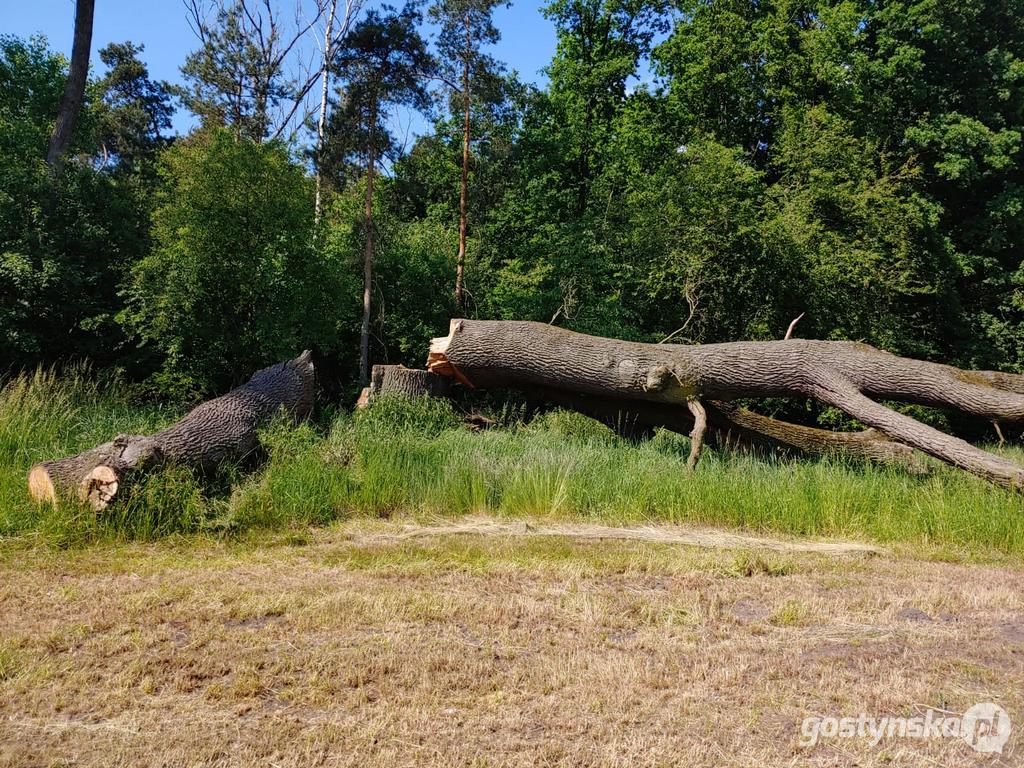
(658, 534)
(363, 646)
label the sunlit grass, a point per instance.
(415, 458)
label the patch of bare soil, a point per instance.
(661, 534)
(380, 645)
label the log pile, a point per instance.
(218, 430)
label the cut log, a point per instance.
(218, 430)
(846, 375)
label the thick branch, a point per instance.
(835, 391)
(733, 427)
(700, 427)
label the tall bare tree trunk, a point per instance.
(321, 123)
(364, 333)
(74, 89)
(460, 260)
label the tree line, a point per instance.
(693, 171)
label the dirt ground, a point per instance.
(378, 644)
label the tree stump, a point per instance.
(409, 382)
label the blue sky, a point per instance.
(527, 44)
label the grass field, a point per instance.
(402, 458)
(393, 589)
(361, 645)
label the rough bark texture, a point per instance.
(74, 89)
(842, 374)
(412, 382)
(215, 431)
(397, 379)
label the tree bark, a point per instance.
(412, 382)
(218, 430)
(408, 382)
(842, 374)
(460, 260)
(700, 428)
(364, 332)
(321, 123)
(74, 89)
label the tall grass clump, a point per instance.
(416, 457)
(305, 481)
(45, 415)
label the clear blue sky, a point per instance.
(527, 44)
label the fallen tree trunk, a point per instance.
(846, 375)
(218, 430)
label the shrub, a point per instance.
(234, 282)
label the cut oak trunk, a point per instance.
(846, 375)
(218, 430)
(399, 380)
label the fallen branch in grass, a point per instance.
(846, 375)
(732, 427)
(218, 430)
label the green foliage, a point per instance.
(62, 252)
(414, 267)
(697, 226)
(413, 457)
(380, 64)
(424, 416)
(134, 113)
(235, 78)
(890, 138)
(233, 282)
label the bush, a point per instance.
(234, 282)
(63, 251)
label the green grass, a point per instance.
(415, 458)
